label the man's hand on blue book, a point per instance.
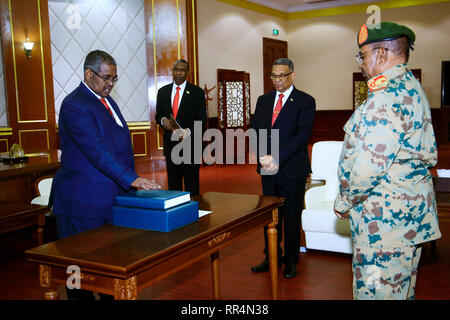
(144, 183)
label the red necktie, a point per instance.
(277, 109)
(106, 106)
(176, 100)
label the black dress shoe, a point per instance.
(263, 266)
(290, 270)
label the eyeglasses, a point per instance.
(279, 76)
(360, 56)
(113, 80)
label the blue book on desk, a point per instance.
(156, 220)
(153, 199)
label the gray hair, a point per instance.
(95, 58)
(399, 47)
(284, 62)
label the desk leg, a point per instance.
(215, 270)
(125, 289)
(45, 280)
(40, 229)
(273, 259)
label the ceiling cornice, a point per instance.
(257, 8)
(388, 4)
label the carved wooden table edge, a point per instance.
(27, 216)
(126, 286)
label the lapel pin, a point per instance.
(188, 92)
(291, 99)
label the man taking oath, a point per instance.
(97, 161)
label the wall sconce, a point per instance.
(28, 46)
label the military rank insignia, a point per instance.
(377, 83)
(363, 34)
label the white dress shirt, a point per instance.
(116, 117)
(286, 95)
(174, 91)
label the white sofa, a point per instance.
(323, 230)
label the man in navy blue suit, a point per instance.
(97, 160)
(291, 112)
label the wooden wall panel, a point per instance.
(171, 33)
(34, 140)
(5, 139)
(28, 81)
(4, 145)
(328, 124)
(139, 140)
(28, 72)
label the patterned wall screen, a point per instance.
(360, 93)
(235, 104)
(3, 113)
(234, 98)
(115, 26)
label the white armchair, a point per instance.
(323, 230)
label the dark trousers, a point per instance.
(176, 173)
(69, 226)
(293, 190)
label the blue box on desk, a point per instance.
(154, 219)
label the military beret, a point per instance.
(386, 31)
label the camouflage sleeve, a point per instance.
(369, 151)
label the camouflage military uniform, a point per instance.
(385, 184)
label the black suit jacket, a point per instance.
(192, 108)
(295, 123)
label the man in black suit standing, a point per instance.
(291, 112)
(186, 103)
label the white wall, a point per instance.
(323, 49)
(231, 38)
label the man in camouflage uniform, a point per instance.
(386, 189)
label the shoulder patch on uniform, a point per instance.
(377, 83)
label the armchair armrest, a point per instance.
(314, 192)
(312, 183)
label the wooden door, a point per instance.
(272, 50)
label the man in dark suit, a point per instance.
(186, 103)
(97, 160)
(291, 112)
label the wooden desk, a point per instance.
(442, 189)
(14, 216)
(17, 180)
(122, 261)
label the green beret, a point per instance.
(385, 31)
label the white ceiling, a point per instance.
(304, 5)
